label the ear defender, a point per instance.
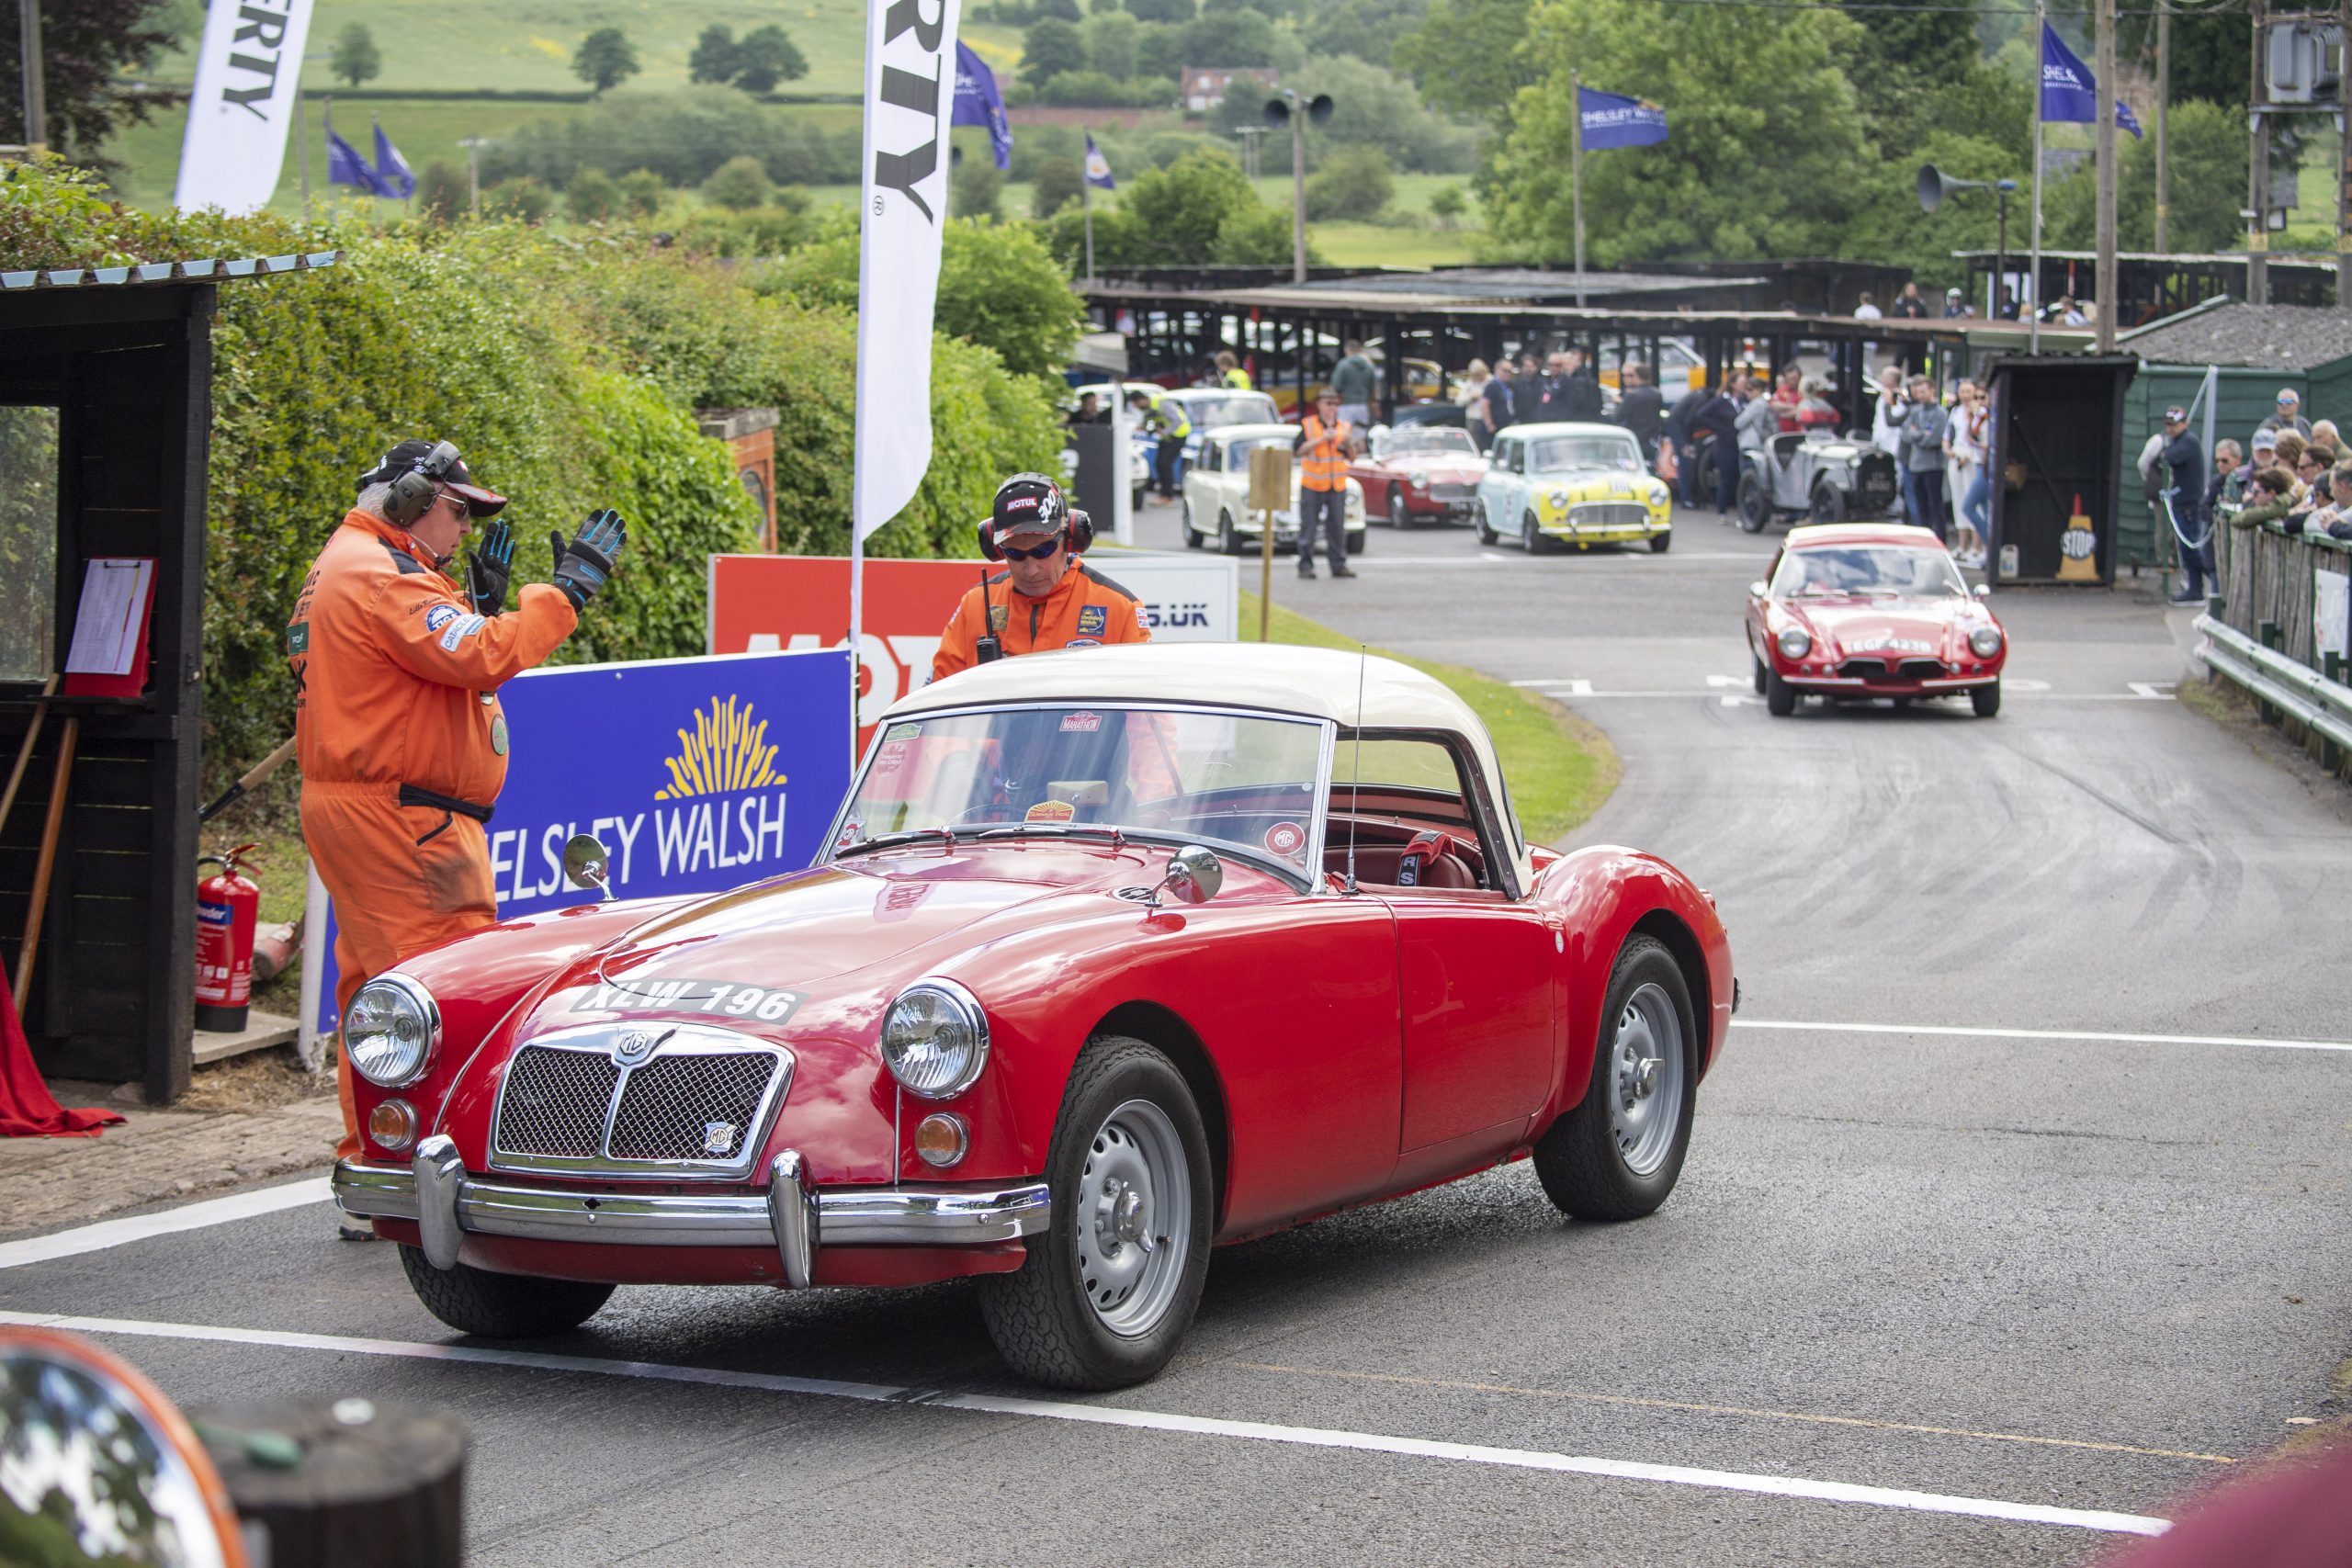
(987, 541)
(412, 495)
(1080, 532)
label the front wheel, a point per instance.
(1762, 674)
(1986, 700)
(1661, 542)
(1193, 537)
(1110, 1286)
(500, 1307)
(1828, 503)
(1755, 506)
(1228, 538)
(1531, 534)
(1617, 1154)
(1780, 697)
(1397, 517)
(1487, 535)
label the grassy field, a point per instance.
(1560, 768)
(526, 45)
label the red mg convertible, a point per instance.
(1852, 611)
(1117, 954)
(1417, 473)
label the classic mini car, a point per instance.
(1117, 954)
(1412, 473)
(1217, 494)
(1576, 484)
(1814, 475)
(1852, 611)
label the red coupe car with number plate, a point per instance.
(1416, 473)
(1849, 612)
(1117, 954)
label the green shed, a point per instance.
(2256, 351)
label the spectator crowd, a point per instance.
(2294, 471)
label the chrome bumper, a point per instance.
(796, 1219)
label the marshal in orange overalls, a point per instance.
(397, 681)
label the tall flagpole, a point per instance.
(2041, 53)
(1575, 170)
(858, 475)
(1086, 201)
(2104, 19)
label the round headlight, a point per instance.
(1658, 494)
(935, 1039)
(1985, 642)
(1420, 482)
(391, 1032)
(1558, 498)
(1795, 642)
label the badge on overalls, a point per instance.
(498, 735)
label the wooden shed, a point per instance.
(106, 413)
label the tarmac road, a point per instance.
(2053, 1282)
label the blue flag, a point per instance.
(979, 103)
(1611, 119)
(2069, 91)
(391, 169)
(347, 167)
(1098, 167)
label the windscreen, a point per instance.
(1868, 571)
(1563, 452)
(1224, 780)
(1232, 408)
(1428, 440)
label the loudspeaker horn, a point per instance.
(1277, 112)
(1320, 109)
(1933, 186)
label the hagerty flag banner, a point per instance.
(909, 82)
(238, 117)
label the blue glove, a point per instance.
(490, 567)
(582, 565)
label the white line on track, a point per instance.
(1116, 1416)
(2109, 1036)
(186, 1217)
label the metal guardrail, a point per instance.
(2298, 692)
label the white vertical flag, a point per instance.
(247, 72)
(909, 82)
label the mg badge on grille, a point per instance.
(718, 1137)
(638, 1044)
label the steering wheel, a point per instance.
(1433, 842)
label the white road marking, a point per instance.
(187, 1217)
(1741, 702)
(1573, 686)
(1735, 681)
(2106, 1036)
(1146, 1421)
(2154, 690)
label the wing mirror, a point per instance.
(1755, 590)
(1194, 876)
(587, 864)
(1982, 591)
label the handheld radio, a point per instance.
(988, 648)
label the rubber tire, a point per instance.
(1193, 537)
(1986, 700)
(1039, 1315)
(1780, 697)
(1661, 542)
(1576, 1159)
(1762, 674)
(1357, 543)
(1398, 518)
(1228, 538)
(501, 1306)
(1487, 535)
(1828, 503)
(1531, 535)
(1751, 505)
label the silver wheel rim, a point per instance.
(1645, 1068)
(1133, 1218)
(1396, 510)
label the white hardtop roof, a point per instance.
(1569, 427)
(1235, 432)
(1218, 392)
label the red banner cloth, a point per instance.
(27, 1108)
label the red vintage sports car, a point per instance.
(1859, 610)
(1118, 954)
(1413, 473)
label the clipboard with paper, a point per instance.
(107, 656)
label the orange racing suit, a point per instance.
(1083, 609)
(403, 744)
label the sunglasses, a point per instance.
(1040, 553)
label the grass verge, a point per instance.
(1560, 768)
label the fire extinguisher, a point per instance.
(227, 905)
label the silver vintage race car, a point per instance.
(1818, 476)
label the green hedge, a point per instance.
(566, 364)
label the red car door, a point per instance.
(1477, 977)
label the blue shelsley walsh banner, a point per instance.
(699, 775)
(1611, 119)
(2069, 91)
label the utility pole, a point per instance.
(474, 146)
(2105, 284)
(1575, 170)
(2164, 126)
(36, 105)
(2257, 236)
(2030, 300)
(1297, 192)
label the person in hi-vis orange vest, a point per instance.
(1324, 440)
(402, 742)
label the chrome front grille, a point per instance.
(1921, 669)
(1453, 492)
(1610, 514)
(1863, 668)
(700, 1106)
(690, 1107)
(556, 1103)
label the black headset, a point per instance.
(412, 492)
(1078, 531)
